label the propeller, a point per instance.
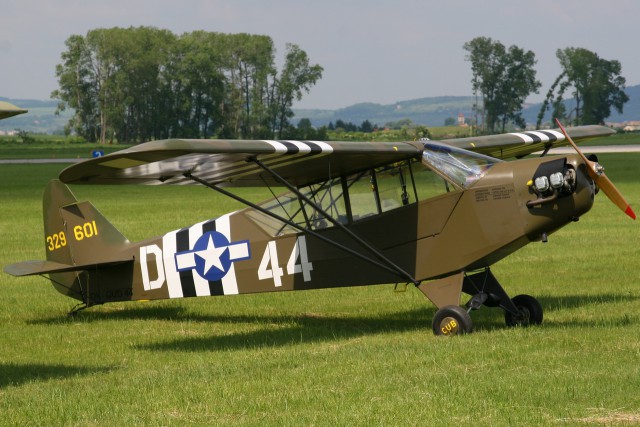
(596, 172)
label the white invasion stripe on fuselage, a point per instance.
(174, 285)
(201, 284)
(229, 281)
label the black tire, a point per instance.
(451, 320)
(530, 312)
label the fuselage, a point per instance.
(470, 224)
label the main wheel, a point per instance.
(530, 312)
(451, 320)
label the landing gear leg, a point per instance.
(77, 309)
(484, 288)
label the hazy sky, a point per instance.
(371, 51)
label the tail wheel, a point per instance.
(451, 320)
(530, 312)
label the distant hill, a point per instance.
(631, 108)
(432, 111)
(427, 111)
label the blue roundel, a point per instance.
(212, 257)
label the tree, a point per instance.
(195, 84)
(597, 86)
(76, 89)
(503, 78)
(305, 130)
(296, 77)
(399, 124)
(110, 78)
(143, 83)
(366, 127)
(345, 127)
(449, 121)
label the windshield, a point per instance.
(461, 167)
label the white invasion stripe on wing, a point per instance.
(278, 146)
(559, 135)
(524, 137)
(543, 137)
(302, 147)
(326, 148)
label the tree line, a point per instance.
(502, 79)
(144, 83)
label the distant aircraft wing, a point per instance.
(232, 162)
(9, 110)
(520, 144)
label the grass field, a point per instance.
(341, 357)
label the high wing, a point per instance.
(240, 163)
(9, 110)
(237, 162)
(520, 144)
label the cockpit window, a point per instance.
(354, 198)
(346, 199)
(463, 168)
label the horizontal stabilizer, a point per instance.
(31, 268)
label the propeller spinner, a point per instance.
(596, 172)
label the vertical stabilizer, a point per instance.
(56, 238)
(76, 233)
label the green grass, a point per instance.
(616, 139)
(51, 147)
(352, 356)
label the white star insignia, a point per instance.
(211, 256)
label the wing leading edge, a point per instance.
(230, 162)
(520, 144)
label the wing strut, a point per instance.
(396, 268)
(388, 265)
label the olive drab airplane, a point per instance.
(436, 215)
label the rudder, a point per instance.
(76, 233)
